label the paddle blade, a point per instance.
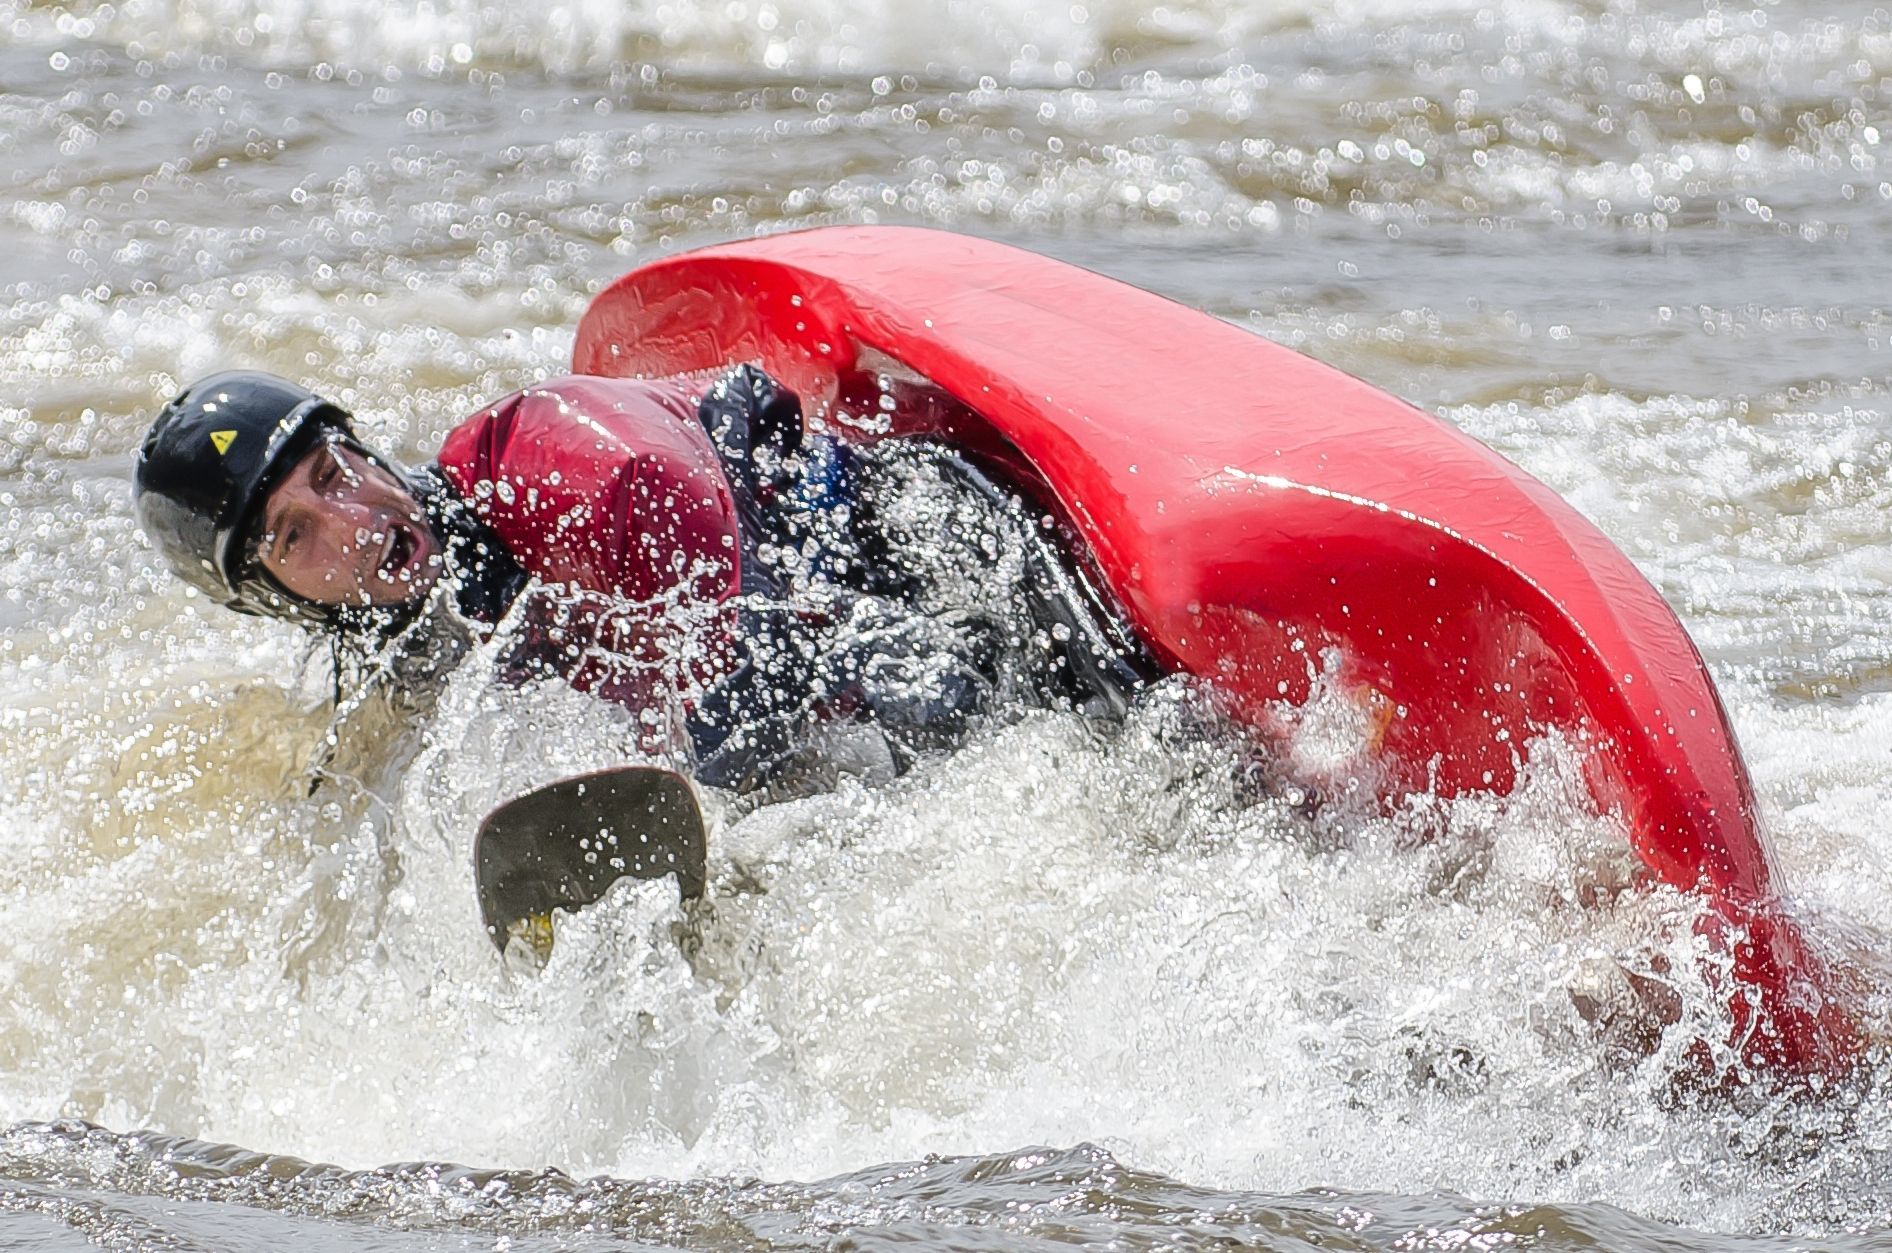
(564, 845)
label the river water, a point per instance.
(1065, 986)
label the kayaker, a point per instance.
(686, 550)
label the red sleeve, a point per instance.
(607, 485)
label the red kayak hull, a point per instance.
(1256, 512)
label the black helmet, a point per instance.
(207, 462)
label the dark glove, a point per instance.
(746, 412)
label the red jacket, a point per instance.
(609, 490)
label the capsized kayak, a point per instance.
(1253, 510)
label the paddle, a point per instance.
(563, 845)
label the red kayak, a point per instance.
(1255, 511)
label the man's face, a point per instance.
(337, 529)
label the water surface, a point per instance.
(1068, 986)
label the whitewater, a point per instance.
(1072, 983)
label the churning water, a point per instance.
(1638, 245)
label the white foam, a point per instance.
(1054, 937)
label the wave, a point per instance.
(1009, 39)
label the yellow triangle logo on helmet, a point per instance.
(223, 440)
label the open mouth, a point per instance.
(401, 545)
